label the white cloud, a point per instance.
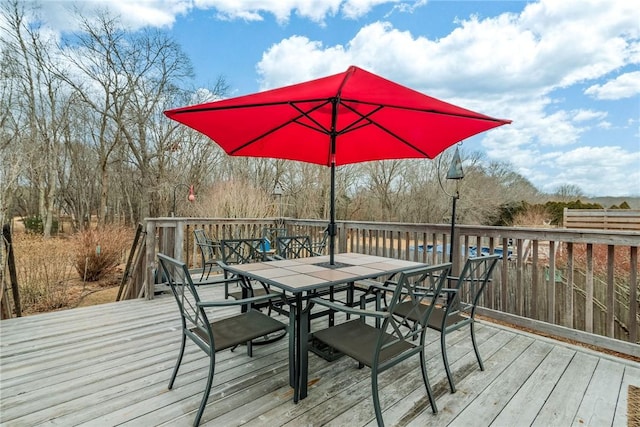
(284, 68)
(315, 10)
(624, 86)
(134, 14)
(587, 115)
(616, 170)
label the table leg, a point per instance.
(304, 355)
(297, 349)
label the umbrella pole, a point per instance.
(332, 214)
(332, 159)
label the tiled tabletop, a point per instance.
(304, 274)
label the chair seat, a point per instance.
(240, 329)
(356, 339)
(435, 320)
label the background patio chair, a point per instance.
(214, 336)
(209, 251)
(270, 234)
(458, 306)
(386, 346)
(320, 246)
(242, 251)
(290, 247)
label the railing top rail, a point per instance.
(573, 235)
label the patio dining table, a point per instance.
(304, 277)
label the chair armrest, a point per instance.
(349, 310)
(372, 284)
(218, 281)
(232, 302)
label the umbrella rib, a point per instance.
(306, 114)
(475, 116)
(352, 126)
(276, 128)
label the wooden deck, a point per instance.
(110, 365)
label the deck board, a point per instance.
(110, 365)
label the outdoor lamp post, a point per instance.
(455, 173)
(191, 197)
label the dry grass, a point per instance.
(49, 276)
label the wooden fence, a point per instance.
(579, 284)
(602, 219)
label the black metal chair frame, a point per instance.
(288, 247)
(381, 348)
(220, 334)
(208, 250)
(319, 247)
(270, 234)
(457, 305)
(241, 251)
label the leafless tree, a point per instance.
(40, 105)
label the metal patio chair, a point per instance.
(382, 347)
(457, 305)
(242, 251)
(217, 335)
(209, 251)
(289, 247)
(270, 234)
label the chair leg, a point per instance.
(175, 369)
(376, 398)
(207, 390)
(425, 377)
(292, 343)
(443, 346)
(475, 346)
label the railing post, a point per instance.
(588, 309)
(551, 285)
(611, 309)
(150, 260)
(342, 237)
(633, 295)
(178, 242)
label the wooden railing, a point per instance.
(578, 284)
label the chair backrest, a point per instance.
(319, 247)
(472, 281)
(417, 290)
(270, 234)
(241, 251)
(290, 247)
(206, 244)
(194, 319)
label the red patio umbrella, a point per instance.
(350, 117)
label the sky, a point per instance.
(566, 72)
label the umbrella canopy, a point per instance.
(350, 117)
